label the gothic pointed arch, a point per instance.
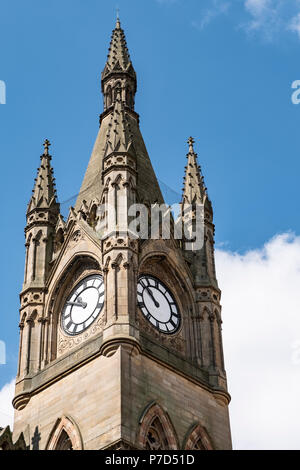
(33, 315)
(65, 435)
(159, 255)
(117, 180)
(36, 247)
(156, 431)
(198, 439)
(156, 261)
(105, 190)
(77, 267)
(73, 267)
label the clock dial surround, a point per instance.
(158, 304)
(83, 305)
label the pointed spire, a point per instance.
(194, 187)
(118, 24)
(119, 129)
(44, 191)
(118, 59)
(46, 145)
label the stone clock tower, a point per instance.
(120, 336)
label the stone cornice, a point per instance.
(65, 365)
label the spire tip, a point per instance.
(118, 23)
(191, 142)
(46, 145)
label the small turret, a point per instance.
(195, 194)
(42, 215)
(194, 190)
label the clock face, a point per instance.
(157, 304)
(83, 305)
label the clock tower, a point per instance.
(120, 326)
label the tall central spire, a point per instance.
(118, 71)
(118, 50)
(119, 133)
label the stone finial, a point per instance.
(44, 191)
(46, 145)
(194, 187)
(118, 23)
(191, 142)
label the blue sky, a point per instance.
(219, 70)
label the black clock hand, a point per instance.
(152, 296)
(79, 303)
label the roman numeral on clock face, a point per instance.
(158, 305)
(84, 305)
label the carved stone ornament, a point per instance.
(66, 343)
(76, 236)
(176, 342)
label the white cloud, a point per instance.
(257, 7)
(6, 408)
(294, 25)
(218, 7)
(271, 17)
(267, 18)
(261, 314)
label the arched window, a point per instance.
(37, 247)
(156, 430)
(156, 438)
(198, 439)
(65, 435)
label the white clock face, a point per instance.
(83, 305)
(157, 304)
